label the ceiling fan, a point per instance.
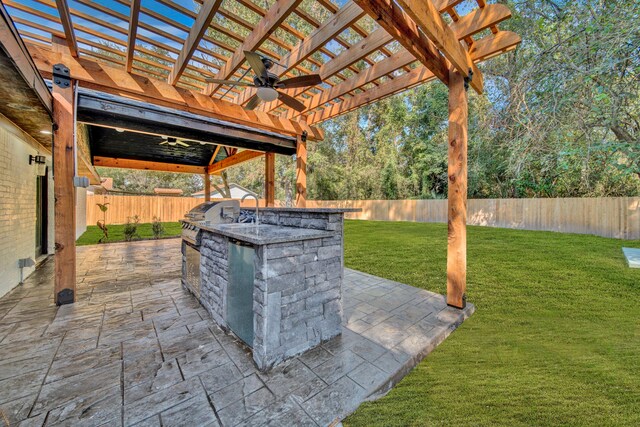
(173, 142)
(267, 83)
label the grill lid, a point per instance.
(199, 210)
(215, 212)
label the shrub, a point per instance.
(131, 228)
(157, 228)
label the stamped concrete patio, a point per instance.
(137, 349)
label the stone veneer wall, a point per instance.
(298, 293)
(214, 275)
(297, 299)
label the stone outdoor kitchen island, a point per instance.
(277, 285)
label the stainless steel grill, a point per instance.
(208, 213)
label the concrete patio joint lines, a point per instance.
(137, 349)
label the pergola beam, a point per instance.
(329, 29)
(134, 14)
(67, 25)
(443, 5)
(471, 24)
(117, 81)
(495, 44)
(480, 19)
(233, 160)
(198, 29)
(112, 162)
(417, 75)
(481, 50)
(397, 23)
(267, 25)
(425, 15)
(368, 75)
(355, 53)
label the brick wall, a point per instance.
(17, 203)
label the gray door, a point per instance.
(240, 292)
(41, 214)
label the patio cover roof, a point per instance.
(120, 128)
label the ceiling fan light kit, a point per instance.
(171, 141)
(267, 94)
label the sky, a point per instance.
(114, 5)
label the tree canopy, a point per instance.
(559, 118)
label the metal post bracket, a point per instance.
(61, 76)
(468, 78)
(65, 296)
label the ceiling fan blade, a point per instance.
(291, 102)
(182, 143)
(227, 82)
(165, 142)
(256, 64)
(300, 81)
(254, 101)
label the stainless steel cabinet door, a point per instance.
(240, 292)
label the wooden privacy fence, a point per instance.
(617, 217)
(120, 207)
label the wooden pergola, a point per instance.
(159, 54)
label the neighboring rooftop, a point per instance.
(237, 192)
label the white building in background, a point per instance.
(237, 192)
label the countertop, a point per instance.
(265, 234)
(310, 210)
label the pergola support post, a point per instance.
(207, 187)
(63, 185)
(270, 179)
(457, 191)
(301, 171)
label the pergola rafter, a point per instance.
(345, 17)
(134, 13)
(482, 50)
(365, 47)
(67, 25)
(267, 25)
(418, 26)
(208, 11)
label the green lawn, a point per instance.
(555, 339)
(116, 234)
